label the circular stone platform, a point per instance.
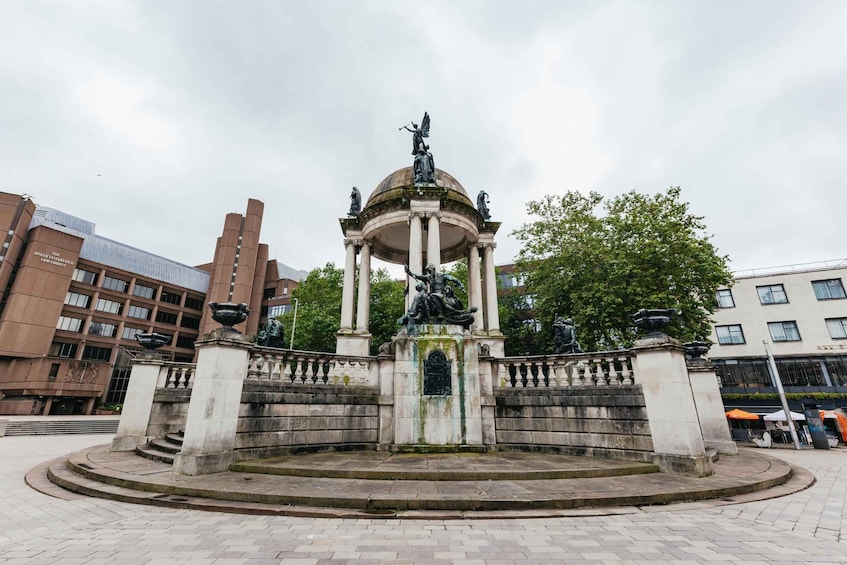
(364, 484)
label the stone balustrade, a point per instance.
(286, 366)
(176, 375)
(601, 368)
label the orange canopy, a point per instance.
(739, 414)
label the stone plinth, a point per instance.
(138, 405)
(437, 389)
(210, 429)
(677, 440)
(710, 410)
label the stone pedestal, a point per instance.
(437, 392)
(135, 416)
(356, 343)
(710, 410)
(209, 441)
(677, 440)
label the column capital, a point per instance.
(354, 242)
(487, 245)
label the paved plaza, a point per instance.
(804, 527)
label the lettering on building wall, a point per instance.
(54, 258)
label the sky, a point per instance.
(154, 119)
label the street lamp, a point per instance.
(294, 324)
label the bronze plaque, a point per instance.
(437, 378)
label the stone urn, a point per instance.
(653, 320)
(152, 341)
(695, 350)
(229, 314)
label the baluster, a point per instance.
(551, 374)
(189, 374)
(293, 364)
(252, 366)
(627, 376)
(168, 383)
(533, 370)
(324, 365)
(599, 376)
(614, 374)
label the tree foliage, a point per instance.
(600, 266)
(319, 309)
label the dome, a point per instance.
(405, 177)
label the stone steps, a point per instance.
(61, 426)
(162, 449)
(128, 477)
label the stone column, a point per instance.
(433, 242)
(678, 447)
(710, 410)
(364, 305)
(475, 287)
(349, 286)
(415, 251)
(138, 405)
(209, 444)
(492, 316)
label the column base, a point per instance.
(724, 447)
(128, 443)
(194, 464)
(350, 343)
(699, 466)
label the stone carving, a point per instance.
(564, 336)
(482, 201)
(437, 375)
(483, 349)
(424, 165)
(387, 348)
(272, 335)
(355, 202)
(435, 301)
(83, 372)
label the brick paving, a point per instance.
(805, 527)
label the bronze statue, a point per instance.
(564, 336)
(355, 202)
(271, 335)
(435, 301)
(424, 165)
(482, 201)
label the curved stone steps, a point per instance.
(125, 476)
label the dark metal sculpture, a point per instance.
(482, 201)
(437, 379)
(653, 320)
(424, 165)
(695, 350)
(355, 202)
(435, 301)
(271, 335)
(229, 314)
(564, 336)
(152, 341)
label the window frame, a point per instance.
(771, 325)
(828, 288)
(109, 284)
(770, 291)
(718, 298)
(730, 334)
(843, 323)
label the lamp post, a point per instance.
(783, 400)
(294, 324)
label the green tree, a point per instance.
(319, 309)
(598, 267)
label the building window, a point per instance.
(724, 298)
(166, 317)
(109, 306)
(829, 289)
(278, 310)
(143, 291)
(83, 276)
(837, 328)
(78, 300)
(69, 324)
(130, 332)
(185, 342)
(66, 350)
(138, 312)
(730, 335)
(171, 297)
(269, 293)
(115, 284)
(194, 303)
(94, 353)
(54, 372)
(784, 331)
(102, 328)
(189, 322)
(772, 294)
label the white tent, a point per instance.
(780, 416)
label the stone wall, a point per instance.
(604, 422)
(276, 420)
(169, 411)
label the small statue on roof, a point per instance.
(355, 202)
(424, 165)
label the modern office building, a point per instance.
(801, 312)
(72, 302)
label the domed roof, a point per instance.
(405, 177)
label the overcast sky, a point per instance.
(153, 119)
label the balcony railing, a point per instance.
(599, 369)
(176, 375)
(307, 367)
